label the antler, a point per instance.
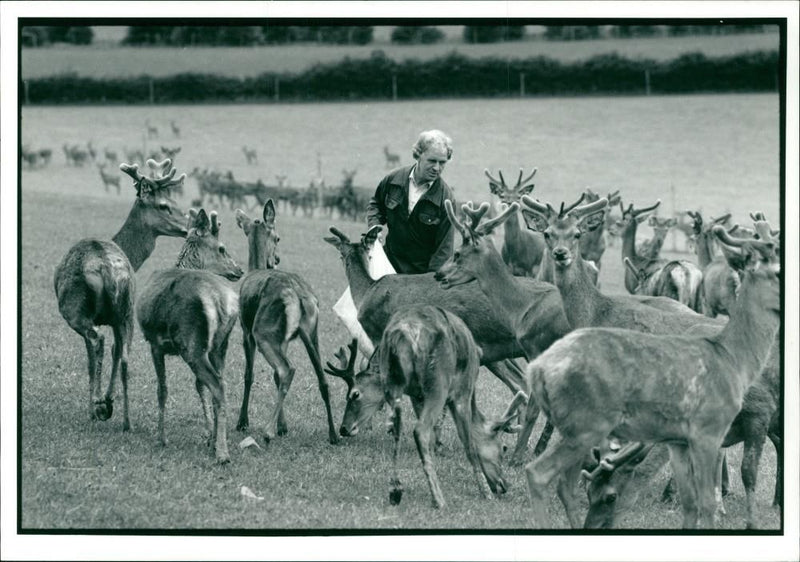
(585, 210)
(764, 247)
(215, 224)
(475, 215)
(636, 212)
(451, 214)
(346, 370)
(614, 461)
(339, 234)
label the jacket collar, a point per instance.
(434, 194)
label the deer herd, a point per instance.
(655, 375)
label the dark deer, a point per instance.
(525, 307)
(522, 248)
(429, 355)
(392, 160)
(276, 307)
(94, 283)
(189, 311)
(597, 382)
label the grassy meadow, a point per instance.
(106, 61)
(720, 153)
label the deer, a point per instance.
(94, 283)
(429, 354)
(720, 281)
(250, 155)
(189, 311)
(170, 152)
(698, 383)
(519, 303)
(677, 279)
(377, 300)
(392, 160)
(276, 307)
(108, 179)
(593, 242)
(522, 249)
(152, 130)
(651, 249)
(176, 130)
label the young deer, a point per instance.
(275, 308)
(522, 248)
(429, 355)
(94, 283)
(720, 282)
(681, 390)
(678, 279)
(190, 311)
(533, 320)
(593, 241)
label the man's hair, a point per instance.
(427, 139)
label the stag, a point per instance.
(276, 307)
(94, 283)
(522, 249)
(429, 355)
(698, 383)
(189, 311)
(679, 281)
(651, 249)
(377, 300)
(532, 319)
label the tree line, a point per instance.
(237, 36)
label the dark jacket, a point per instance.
(416, 243)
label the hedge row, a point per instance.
(451, 76)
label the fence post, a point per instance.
(647, 81)
(522, 84)
(152, 92)
(394, 86)
(277, 89)
(27, 95)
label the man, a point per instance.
(410, 202)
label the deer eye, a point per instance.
(164, 207)
(222, 249)
(355, 395)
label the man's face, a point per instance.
(430, 164)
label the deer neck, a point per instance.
(500, 287)
(629, 241)
(749, 335)
(357, 277)
(704, 250)
(513, 231)
(256, 254)
(578, 293)
(135, 238)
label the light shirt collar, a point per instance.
(415, 190)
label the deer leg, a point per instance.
(311, 342)
(161, 376)
(396, 492)
(95, 349)
(561, 456)
(521, 448)
(753, 447)
(283, 374)
(567, 495)
(105, 408)
(544, 439)
(703, 456)
(249, 345)
(422, 436)
(683, 475)
(513, 377)
(208, 376)
(776, 441)
(125, 343)
(202, 393)
(725, 482)
(461, 411)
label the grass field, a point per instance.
(78, 474)
(250, 61)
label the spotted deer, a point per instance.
(429, 355)
(698, 382)
(276, 307)
(189, 311)
(94, 283)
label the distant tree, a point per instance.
(415, 34)
(362, 34)
(240, 35)
(148, 35)
(572, 32)
(34, 36)
(483, 33)
(81, 35)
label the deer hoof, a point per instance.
(103, 409)
(243, 425)
(283, 430)
(395, 496)
(333, 438)
(223, 459)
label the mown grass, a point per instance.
(78, 474)
(251, 61)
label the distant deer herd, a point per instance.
(686, 364)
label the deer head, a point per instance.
(506, 193)
(465, 262)
(262, 238)
(154, 206)
(348, 249)
(599, 219)
(562, 229)
(203, 250)
(632, 216)
(364, 389)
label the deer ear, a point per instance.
(269, 213)
(593, 221)
(651, 221)
(243, 221)
(494, 189)
(534, 221)
(201, 221)
(333, 241)
(737, 260)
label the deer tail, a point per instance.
(291, 306)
